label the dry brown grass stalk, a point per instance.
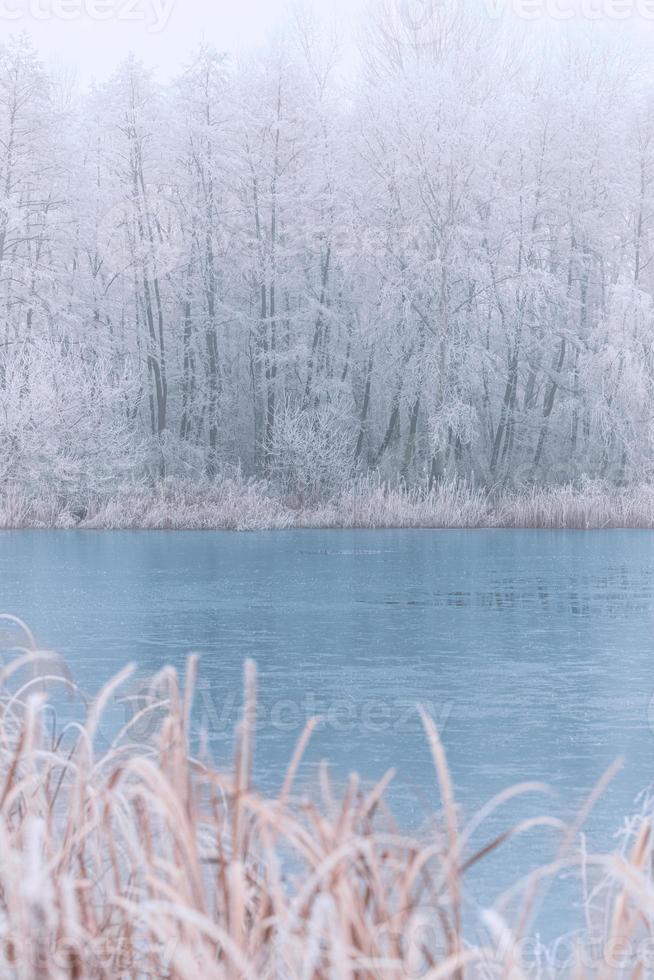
(145, 861)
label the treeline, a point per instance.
(440, 268)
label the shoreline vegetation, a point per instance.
(143, 860)
(237, 504)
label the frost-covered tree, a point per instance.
(438, 268)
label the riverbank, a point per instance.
(142, 860)
(239, 505)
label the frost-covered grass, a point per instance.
(142, 860)
(228, 504)
(590, 506)
(236, 504)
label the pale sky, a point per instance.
(94, 35)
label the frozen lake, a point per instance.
(532, 649)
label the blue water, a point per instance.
(531, 649)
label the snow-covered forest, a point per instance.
(437, 265)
